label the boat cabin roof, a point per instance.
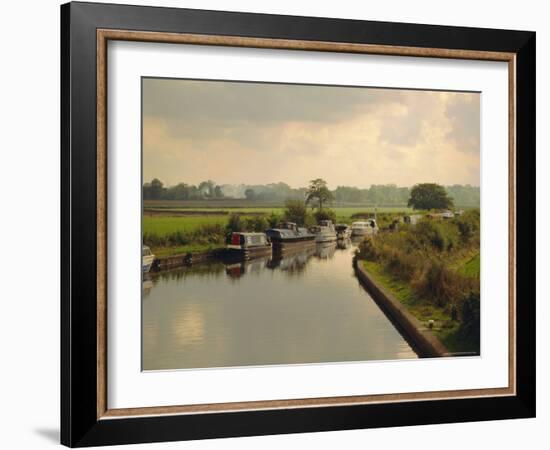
(364, 223)
(244, 233)
(288, 225)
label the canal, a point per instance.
(306, 307)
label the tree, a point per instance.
(296, 211)
(318, 191)
(250, 194)
(218, 193)
(154, 190)
(207, 188)
(429, 196)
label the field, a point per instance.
(163, 225)
(188, 220)
(172, 227)
(168, 216)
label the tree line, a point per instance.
(376, 194)
(155, 190)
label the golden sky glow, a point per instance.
(256, 133)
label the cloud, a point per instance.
(184, 104)
(463, 111)
(260, 133)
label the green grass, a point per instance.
(164, 225)
(471, 267)
(446, 329)
(240, 205)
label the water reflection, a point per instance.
(343, 244)
(303, 306)
(239, 269)
(325, 250)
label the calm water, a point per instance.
(304, 308)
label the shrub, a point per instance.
(441, 236)
(273, 220)
(470, 312)
(296, 211)
(402, 265)
(256, 223)
(468, 226)
(470, 318)
(209, 234)
(438, 284)
(325, 214)
(367, 250)
(235, 223)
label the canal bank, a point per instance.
(174, 261)
(221, 254)
(424, 341)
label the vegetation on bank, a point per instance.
(433, 269)
(176, 232)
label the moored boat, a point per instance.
(147, 259)
(325, 231)
(343, 231)
(364, 228)
(289, 233)
(247, 245)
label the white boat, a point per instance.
(343, 231)
(325, 231)
(364, 228)
(412, 219)
(147, 259)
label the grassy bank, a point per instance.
(433, 269)
(172, 228)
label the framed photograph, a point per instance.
(277, 224)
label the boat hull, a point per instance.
(245, 253)
(147, 263)
(329, 237)
(291, 240)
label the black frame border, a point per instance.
(79, 423)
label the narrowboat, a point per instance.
(147, 259)
(248, 245)
(325, 231)
(289, 233)
(343, 231)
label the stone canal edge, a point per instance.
(424, 341)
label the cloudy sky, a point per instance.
(255, 133)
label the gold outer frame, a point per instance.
(103, 36)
